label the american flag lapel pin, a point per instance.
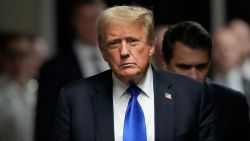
(168, 96)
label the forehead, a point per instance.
(123, 29)
(184, 54)
(88, 10)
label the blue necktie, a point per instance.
(134, 124)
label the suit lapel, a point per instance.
(164, 108)
(103, 110)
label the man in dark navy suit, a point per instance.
(132, 101)
(187, 50)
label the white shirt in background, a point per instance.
(90, 59)
(17, 110)
(232, 79)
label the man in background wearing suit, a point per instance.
(81, 59)
(187, 50)
(132, 101)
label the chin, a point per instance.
(130, 72)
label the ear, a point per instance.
(152, 47)
(166, 66)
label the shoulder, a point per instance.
(177, 79)
(87, 85)
(226, 96)
(186, 89)
(220, 90)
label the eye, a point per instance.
(113, 44)
(184, 67)
(133, 41)
(202, 66)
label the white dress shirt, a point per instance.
(246, 69)
(17, 110)
(90, 59)
(232, 79)
(145, 98)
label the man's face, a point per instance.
(19, 59)
(126, 49)
(190, 62)
(84, 22)
(227, 53)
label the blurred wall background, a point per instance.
(20, 15)
(30, 16)
(50, 18)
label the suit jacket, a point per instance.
(246, 86)
(56, 73)
(231, 114)
(85, 110)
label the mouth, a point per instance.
(126, 65)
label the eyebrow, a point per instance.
(189, 65)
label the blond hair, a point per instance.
(127, 14)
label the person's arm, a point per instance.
(61, 128)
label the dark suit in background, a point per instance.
(187, 48)
(231, 113)
(54, 75)
(66, 66)
(85, 110)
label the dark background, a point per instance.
(165, 12)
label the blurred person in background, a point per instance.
(41, 53)
(228, 56)
(18, 88)
(85, 42)
(80, 60)
(187, 50)
(157, 58)
(242, 30)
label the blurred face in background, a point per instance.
(18, 57)
(242, 30)
(84, 22)
(227, 53)
(158, 56)
(191, 62)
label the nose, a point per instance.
(124, 50)
(193, 73)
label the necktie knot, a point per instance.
(134, 90)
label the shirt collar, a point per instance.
(146, 85)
